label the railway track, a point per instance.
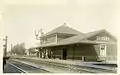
(73, 68)
(23, 68)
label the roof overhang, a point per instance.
(81, 42)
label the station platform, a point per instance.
(100, 65)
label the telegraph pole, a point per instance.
(5, 46)
(5, 52)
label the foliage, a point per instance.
(32, 50)
(18, 49)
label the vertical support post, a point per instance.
(56, 38)
(61, 53)
(39, 53)
(11, 49)
(73, 52)
(46, 54)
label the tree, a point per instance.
(19, 49)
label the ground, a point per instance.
(37, 65)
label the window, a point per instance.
(102, 47)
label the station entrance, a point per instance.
(64, 54)
(103, 48)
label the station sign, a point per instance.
(103, 38)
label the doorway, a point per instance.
(103, 48)
(64, 53)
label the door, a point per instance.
(103, 51)
(64, 54)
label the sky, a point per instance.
(20, 18)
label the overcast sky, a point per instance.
(22, 17)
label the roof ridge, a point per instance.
(64, 28)
(93, 33)
(57, 27)
(96, 31)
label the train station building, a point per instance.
(67, 43)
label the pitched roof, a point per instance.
(82, 38)
(63, 29)
(79, 39)
(73, 39)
